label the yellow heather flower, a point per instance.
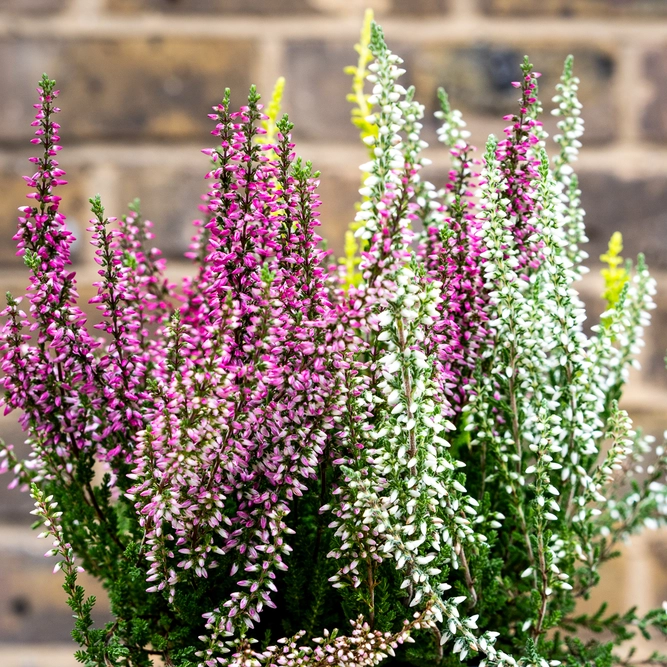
(616, 275)
(360, 113)
(273, 111)
(359, 73)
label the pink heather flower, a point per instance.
(227, 402)
(213, 408)
(77, 392)
(245, 393)
(133, 296)
(519, 159)
(56, 368)
(450, 248)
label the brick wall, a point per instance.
(137, 79)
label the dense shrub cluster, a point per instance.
(413, 456)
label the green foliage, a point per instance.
(542, 424)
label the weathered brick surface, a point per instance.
(14, 190)
(653, 361)
(32, 604)
(414, 8)
(169, 198)
(316, 90)
(636, 207)
(575, 8)
(418, 8)
(30, 655)
(147, 86)
(33, 7)
(339, 193)
(153, 88)
(478, 79)
(252, 7)
(15, 505)
(654, 119)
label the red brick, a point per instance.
(157, 88)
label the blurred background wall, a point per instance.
(139, 76)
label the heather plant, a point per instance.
(412, 457)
